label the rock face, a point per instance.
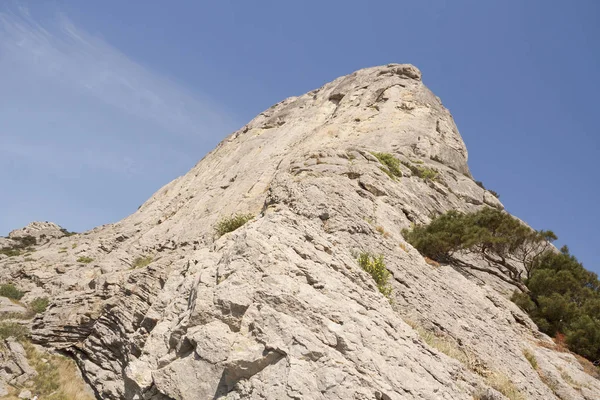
(157, 307)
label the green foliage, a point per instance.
(142, 262)
(494, 193)
(26, 241)
(67, 233)
(10, 251)
(9, 290)
(531, 358)
(564, 298)
(12, 329)
(39, 304)
(85, 260)
(392, 164)
(491, 233)
(375, 266)
(428, 174)
(23, 243)
(231, 223)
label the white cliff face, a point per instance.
(280, 309)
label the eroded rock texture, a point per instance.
(280, 309)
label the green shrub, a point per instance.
(23, 244)
(531, 358)
(231, 223)
(564, 298)
(392, 164)
(12, 329)
(375, 266)
(9, 290)
(428, 174)
(39, 304)
(494, 193)
(10, 251)
(67, 233)
(85, 260)
(493, 234)
(26, 241)
(142, 262)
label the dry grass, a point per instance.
(141, 262)
(567, 378)
(58, 377)
(431, 262)
(588, 367)
(403, 247)
(382, 231)
(501, 383)
(449, 347)
(531, 358)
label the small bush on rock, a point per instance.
(9, 290)
(85, 260)
(391, 163)
(39, 304)
(231, 223)
(375, 266)
(142, 262)
(428, 174)
(12, 329)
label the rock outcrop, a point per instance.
(157, 307)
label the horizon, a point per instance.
(104, 111)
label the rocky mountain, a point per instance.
(158, 306)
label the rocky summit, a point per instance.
(162, 305)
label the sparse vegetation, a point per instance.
(12, 329)
(531, 358)
(231, 223)
(23, 245)
(494, 193)
(425, 173)
(375, 266)
(382, 231)
(10, 251)
(67, 233)
(39, 304)
(85, 260)
(501, 383)
(57, 376)
(391, 163)
(450, 348)
(431, 262)
(141, 262)
(9, 290)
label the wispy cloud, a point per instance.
(50, 66)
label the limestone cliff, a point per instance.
(157, 307)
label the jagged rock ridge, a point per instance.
(280, 309)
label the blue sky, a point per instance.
(104, 102)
